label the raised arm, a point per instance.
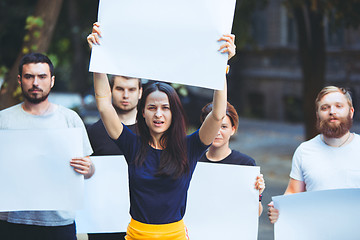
(103, 93)
(107, 111)
(212, 123)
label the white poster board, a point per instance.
(35, 171)
(106, 205)
(223, 202)
(318, 215)
(172, 41)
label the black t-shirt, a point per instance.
(235, 157)
(100, 141)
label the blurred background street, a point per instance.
(271, 144)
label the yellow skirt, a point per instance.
(171, 231)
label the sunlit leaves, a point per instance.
(34, 22)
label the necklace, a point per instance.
(347, 139)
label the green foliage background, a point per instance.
(16, 17)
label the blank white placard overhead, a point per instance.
(106, 205)
(171, 41)
(35, 171)
(318, 215)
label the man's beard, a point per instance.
(123, 111)
(334, 131)
(32, 99)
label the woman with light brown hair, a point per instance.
(220, 152)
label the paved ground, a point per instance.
(272, 145)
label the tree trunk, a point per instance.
(37, 39)
(311, 47)
(79, 71)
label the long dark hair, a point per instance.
(173, 160)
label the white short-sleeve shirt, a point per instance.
(323, 167)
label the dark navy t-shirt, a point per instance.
(157, 199)
(235, 157)
(101, 143)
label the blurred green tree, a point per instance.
(244, 11)
(31, 26)
(70, 48)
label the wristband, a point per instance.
(98, 96)
(227, 69)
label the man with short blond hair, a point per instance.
(331, 159)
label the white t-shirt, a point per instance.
(59, 117)
(323, 167)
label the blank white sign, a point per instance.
(318, 215)
(35, 171)
(106, 205)
(172, 41)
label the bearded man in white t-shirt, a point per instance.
(331, 159)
